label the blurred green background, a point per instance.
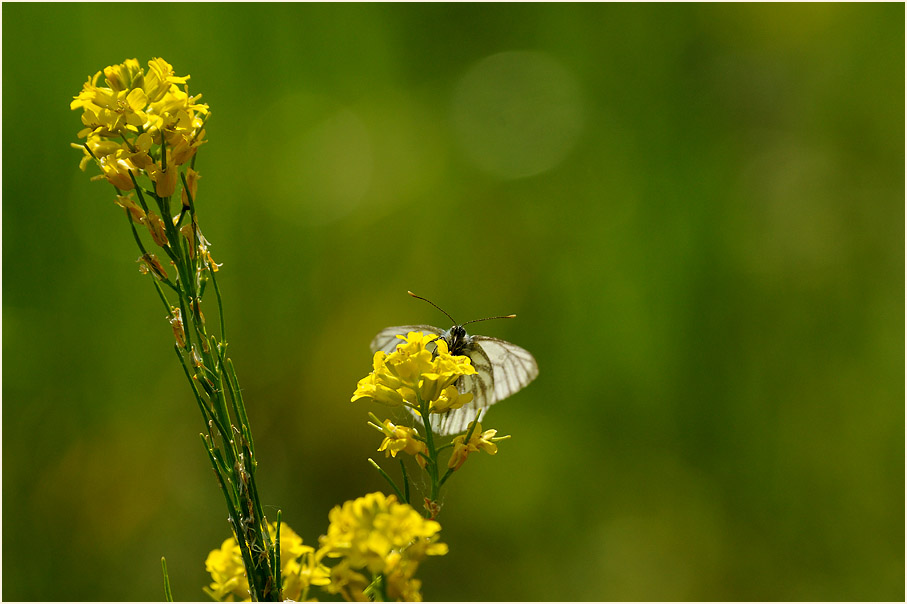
(696, 211)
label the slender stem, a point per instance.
(376, 590)
(234, 521)
(277, 577)
(207, 414)
(220, 304)
(447, 475)
(186, 321)
(432, 452)
(405, 481)
(163, 298)
(138, 191)
(168, 594)
(388, 479)
(241, 407)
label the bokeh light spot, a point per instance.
(517, 113)
(323, 168)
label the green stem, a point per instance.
(207, 414)
(138, 191)
(432, 465)
(220, 304)
(161, 295)
(405, 481)
(168, 594)
(241, 408)
(388, 479)
(447, 475)
(376, 590)
(277, 577)
(234, 520)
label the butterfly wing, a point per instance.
(480, 384)
(512, 367)
(387, 339)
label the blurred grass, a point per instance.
(710, 275)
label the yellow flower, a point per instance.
(411, 359)
(183, 146)
(479, 441)
(164, 180)
(432, 385)
(228, 575)
(116, 168)
(138, 117)
(400, 584)
(402, 438)
(348, 583)
(374, 385)
(366, 531)
(299, 568)
(413, 373)
(160, 78)
(449, 399)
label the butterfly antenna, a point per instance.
(490, 318)
(433, 304)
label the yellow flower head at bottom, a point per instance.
(368, 530)
(299, 568)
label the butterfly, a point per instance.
(502, 368)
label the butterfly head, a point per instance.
(457, 339)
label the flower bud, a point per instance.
(197, 311)
(157, 229)
(165, 181)
(192, 180)
(176, 322)
(126, 202)
(197, 358)
(153, 265)
(189, 233)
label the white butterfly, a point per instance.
(502, 368)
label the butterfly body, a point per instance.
(502, 369)
(458, 341)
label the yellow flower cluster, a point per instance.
(299, 567)
(413, 374)
(140, 123)
(377, 534)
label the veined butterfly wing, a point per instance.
(480, 384)
(513, 367)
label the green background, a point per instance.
(696, 211)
